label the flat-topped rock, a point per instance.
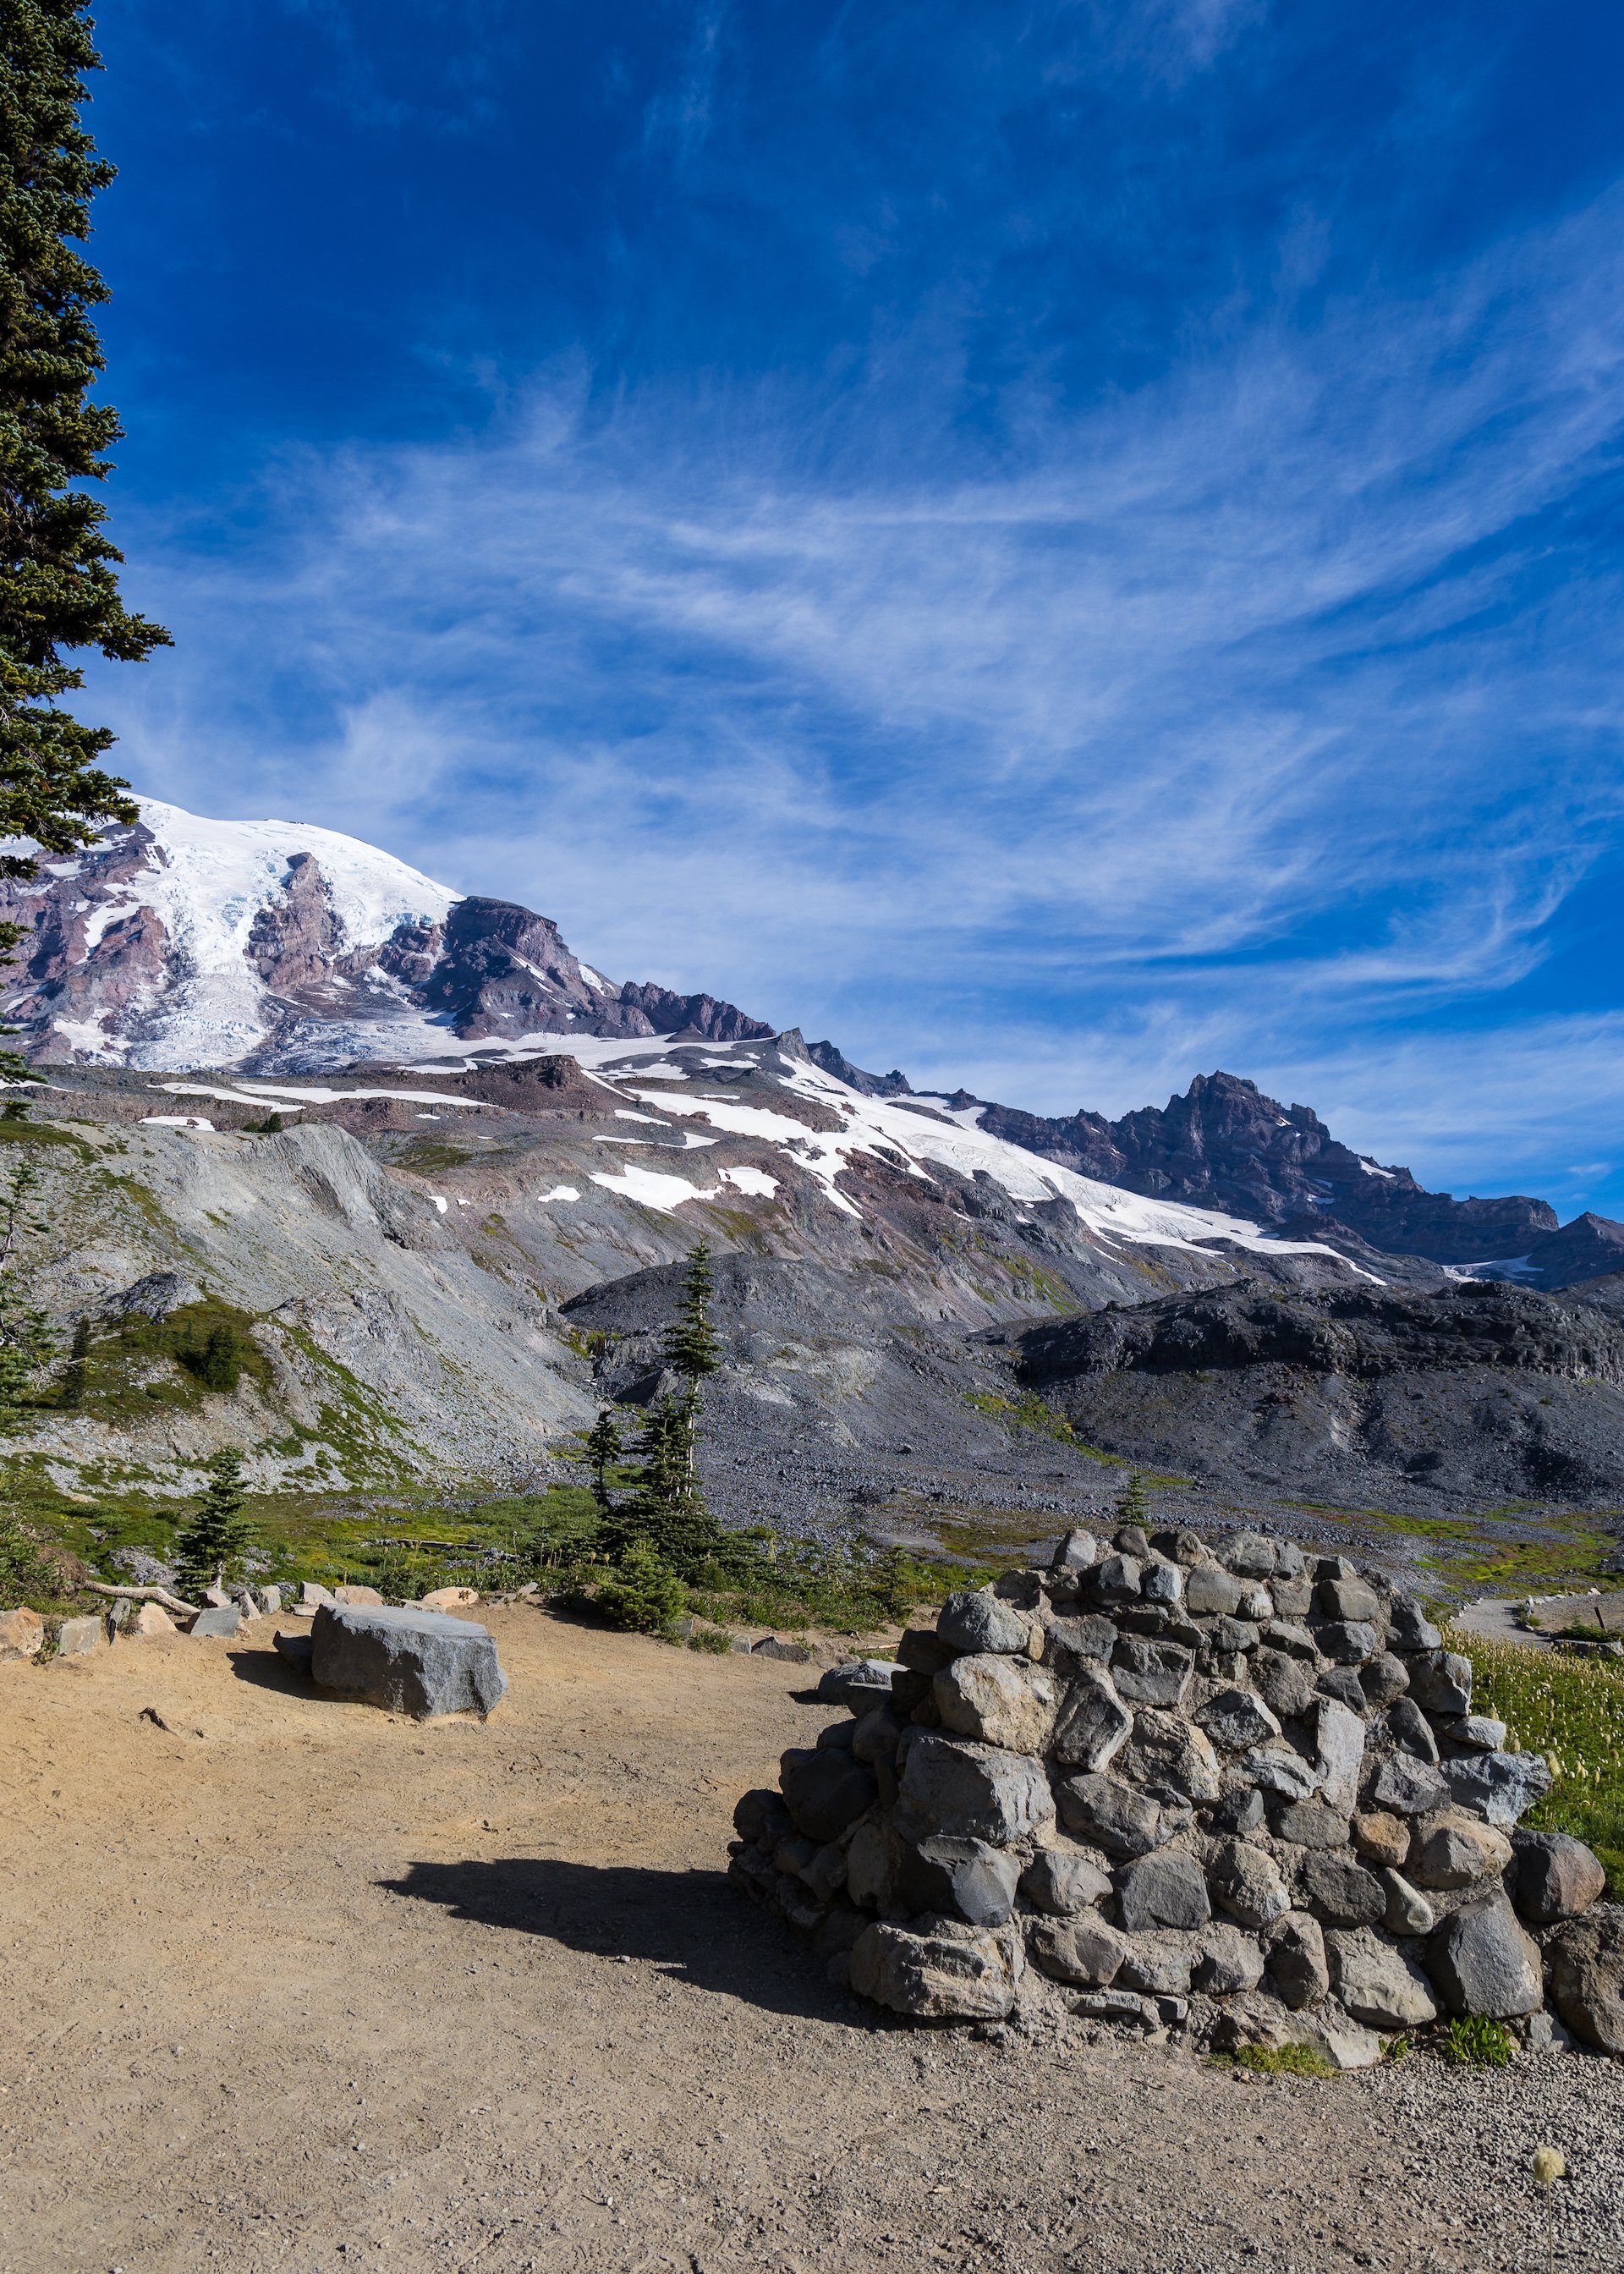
(422, 1663)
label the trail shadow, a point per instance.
(693, 1924)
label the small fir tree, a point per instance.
(644, 1596)
(58, 577)
(73, 1373)
(26, 1342)
(1133, 1508)
(601, 1450)
(666, 1510)
(213, 1545)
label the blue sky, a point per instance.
(1064, 547)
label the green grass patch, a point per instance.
(1571, 1709)
(1029, 1411)
(201, 1349)
(43, 1132)
(1284, 2061)
(424, 1155)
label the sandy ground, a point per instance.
(293, 1984)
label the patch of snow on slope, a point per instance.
(653, 1188)
(873, 1126)
(753, 1181)
(206, 881)
(1371, 1170)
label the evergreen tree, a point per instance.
(26, 1342)
(600, 1449)
(692, 1351)
(666, 1511)
(58, 580)
(213, 1544)
(1133, 1508)
(691, 1348)
(74, 1374)
(643, 1595)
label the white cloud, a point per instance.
(1250, 705)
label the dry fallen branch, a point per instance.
(170, 1602)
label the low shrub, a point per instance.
(717, 1639)
(29, 1573)
(1473, 2041)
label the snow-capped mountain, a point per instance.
(276, 949)
(182, 942)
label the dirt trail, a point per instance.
(292, 1984)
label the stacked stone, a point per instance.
(1236, 1794)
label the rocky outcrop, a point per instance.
(1231, 1797)
(1356, 1392)
(670, 1014)
(894, 1084)
(1225, 1145)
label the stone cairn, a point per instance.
(1231, 1795)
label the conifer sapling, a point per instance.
(214, 1544)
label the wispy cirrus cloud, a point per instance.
(1247, 715)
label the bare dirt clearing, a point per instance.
(294, 1984)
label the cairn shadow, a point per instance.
(694, 1925)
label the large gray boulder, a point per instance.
(825, 1789)
(980, 1622)
(1093, 1724)
(417, 1662)
(1587, 1978)
(1111, 1815)
(1164, 1890)
(1001, 1700)
(971, 1976)
(1378, 1982)
(1085, 1950)
(1245, 1881)
(1481, 1962)
(1498, 1787)
(1062, 1881)
(1554, 1876)
(970, 1791)
(968, 1878)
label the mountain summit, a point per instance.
(272, 946)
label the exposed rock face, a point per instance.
(1353, 1390)
(1225, 1145)
(1222, 1871)
(894, 1084)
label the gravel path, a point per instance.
(293, 1984)
(1494, 1616)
